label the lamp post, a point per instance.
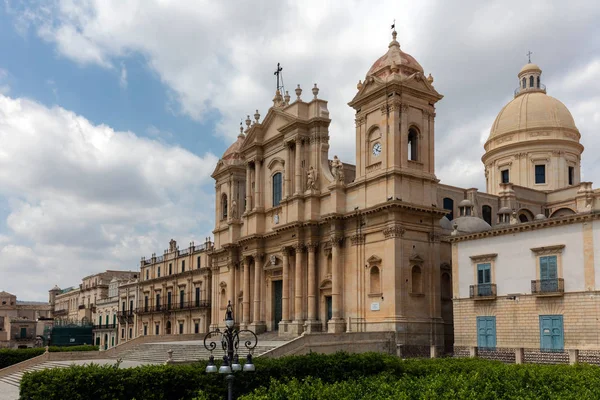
(230, 340)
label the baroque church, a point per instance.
(305, 243)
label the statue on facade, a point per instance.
(337, 168)
(311, 182)
(234, 209)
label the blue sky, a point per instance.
(113, 113)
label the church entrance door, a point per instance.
(277, 308)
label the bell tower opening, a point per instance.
(413, 144)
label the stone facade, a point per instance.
(306, 243)
(173, 294)
(22, 324)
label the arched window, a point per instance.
(523, 218)
(449, 205)
(446, 286)
(413, 144)
(524, 83)
(375, 280)
(224, 206)
(531, 81)
(538, 82)
(417, 285)
(486, 213)
(276, 189)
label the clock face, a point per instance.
(377, 149)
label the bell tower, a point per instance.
(395, 112)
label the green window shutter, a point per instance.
(551, 332)
(484, 273)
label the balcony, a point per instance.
(190, 305)
(23, 338)
(548, 287)
(485, 291)
(125, 316)
(58, 313)
(104, 326)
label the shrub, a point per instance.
(351, 376)
(9, 357)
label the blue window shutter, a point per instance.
(276, 189)
(484, 273)
(551, 332)
(552, 273)
(486, 332)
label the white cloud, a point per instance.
(123, 77)
(87, 197)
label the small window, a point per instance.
(196, 327)
(130, 333)
(538, 82)
(197, 297)
(449, 205)
(157, 329)
(130, 306)
(183, 266)
(123, 333)
(486, 212)
(413, 144)
(181, 298)
(170, 269)
(145, 330)
(169, 300)
(540, 174)
(180, 328)
(524, 83)
(123, 306)
(417, 286)
(531, 81)
(571, 175)
(224, 206)
(276, 189)
(199, 264)
(158, 272)
(146, 303)
(158, 301)
(505, 176)
(147, 274)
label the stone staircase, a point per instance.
(156, 353)
(15, 379)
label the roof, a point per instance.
(394, 58)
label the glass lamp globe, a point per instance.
(225, 368)
(235, 365)
(249, 367)
(211, 367)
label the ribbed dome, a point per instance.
(233, 152)
(535, 110)
(470, 224)
(394, 59)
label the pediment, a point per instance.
(374, 259)
(274, 161)
(415, 258)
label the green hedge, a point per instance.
(9, 357)
(341, 373)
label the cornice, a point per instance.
(528, 226)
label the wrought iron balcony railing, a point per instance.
(105, 326)
(188, 305)
(485, 291)
(548, 287)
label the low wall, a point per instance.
(114, 352)
(531, 356)
(327, 343)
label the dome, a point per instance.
(534, 110)
(233, 154)
(530, 67)
(539, 217)
(55, 288)
(394, 59)
(445, 223)
(505, 210)
(470, 224)
(465, 203)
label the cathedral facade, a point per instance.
(306, 243)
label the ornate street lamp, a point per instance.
(230, 340)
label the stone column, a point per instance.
(246, 300)
(288, 159)
(297, 325)
(256, 184)
(257, 326)
(298, 172)
(285, 296)
(231, 288)
(311, 324)
(248, 188)
(336, 324)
